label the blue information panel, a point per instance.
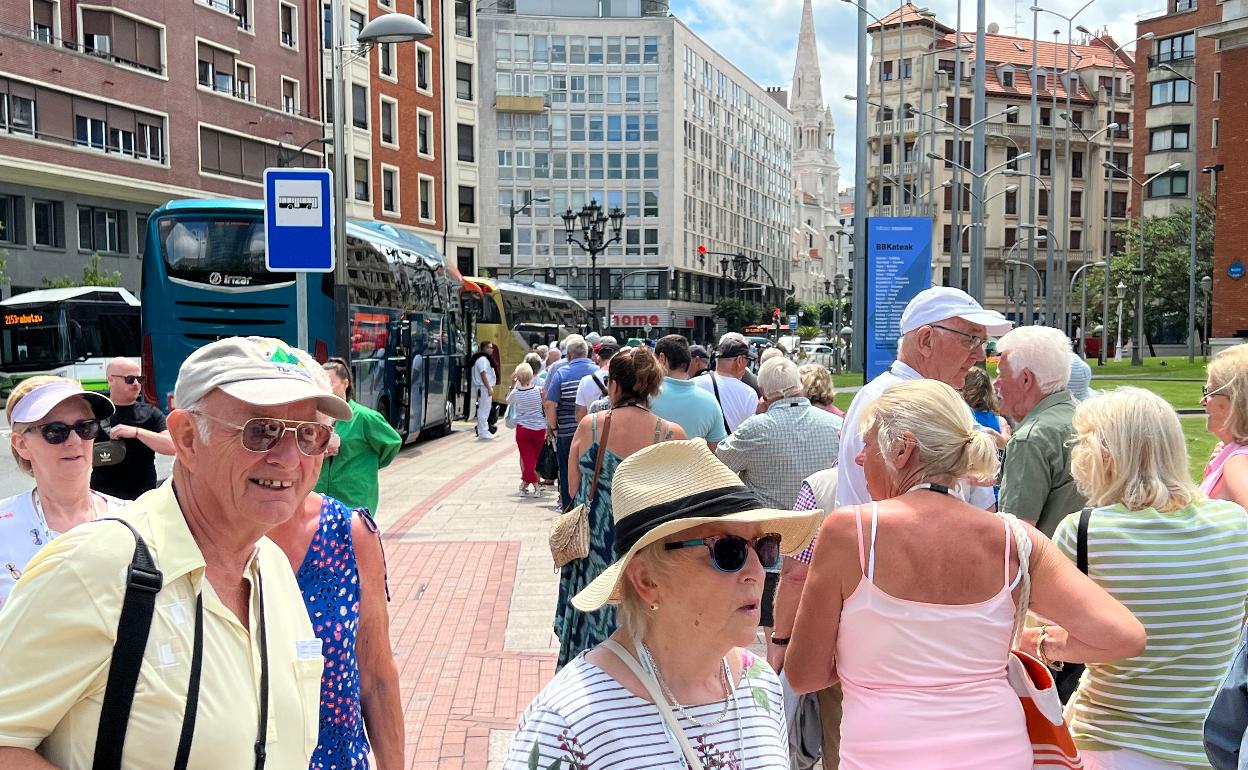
(298, 220)
(899, 266)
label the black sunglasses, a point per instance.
(129, 378)
(260, 434)
(729, 552)
(58, 432)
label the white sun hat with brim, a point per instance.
(42, 399)
(675, 486)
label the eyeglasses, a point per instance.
(972, 341)
(1205, 392)
(260, 434)
(58, 432)
(729, 552)
(129, 378)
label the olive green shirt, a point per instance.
(1036, 484)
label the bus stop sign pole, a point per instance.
(299, 230)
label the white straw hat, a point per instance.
(677, 485)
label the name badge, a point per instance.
(308, 649)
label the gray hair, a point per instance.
(735, 336)
(576, 346)
(779, 377)
(1042, 350)
(947, 441)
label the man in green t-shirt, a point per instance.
(367, 443)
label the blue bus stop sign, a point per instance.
(1235, 270)
(298, 220)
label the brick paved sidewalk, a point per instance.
(473, 595)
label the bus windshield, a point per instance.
(219, 251)
(32, 338)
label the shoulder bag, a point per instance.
(569, 531)
(1068, 678)
(108, 452)
(1051, 743)
(722, 414)
(660, 702)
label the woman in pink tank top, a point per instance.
(910, 601)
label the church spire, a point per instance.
(807, 88)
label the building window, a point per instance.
(467, 204)
(1172, 185)
(101, 230)
(1168, 138)
(1121, 160)
(1184, 5)
(50, 225)
(1076, 204)
(463, 80)
(1046, 162)
(327, 27)
(216, 68)
(425, 189)
(140, 233)
(89, 132)
(17, 114)
(1177, 91)
(1118, 205)
(420, 11)
(10, 212)
(1213, 128)
(1217, 85)
(463, 18)
(359, 105)
(650, 54)
(1076, 240)
(1174, 48)
(43, 18)
(1076, 165)
(464, 142)
(385, 65)
(151, 142)
(355, 25)
(290, 95)
(424, 133)
(422, 68)
(361, 174)
(244, 74)
(1011, 204)
(289, 24)
(389, 190)
(389, 121)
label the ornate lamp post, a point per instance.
(1121, 291)
(593, 241)
(839, 285)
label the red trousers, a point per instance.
(530, 443)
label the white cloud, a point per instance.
(760, 37)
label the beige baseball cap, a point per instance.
(257, 370)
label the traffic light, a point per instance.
(776, 314)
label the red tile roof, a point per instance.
(911, 12)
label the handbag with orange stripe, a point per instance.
(1051, 743)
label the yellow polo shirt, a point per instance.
(58, 628)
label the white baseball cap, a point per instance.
(257, 370)
(940, 303)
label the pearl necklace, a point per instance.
(725, 677)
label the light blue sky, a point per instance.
(763, 35)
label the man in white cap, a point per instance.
(227, 620)
(943, 331)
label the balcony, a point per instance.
(908, 126)
(1169, 58)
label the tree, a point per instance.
(791, 306)
(737, 314)
(93, 274)
(1166, 264)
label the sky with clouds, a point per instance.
(735, 26)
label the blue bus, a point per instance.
(204, 279)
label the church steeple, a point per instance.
(807, 88)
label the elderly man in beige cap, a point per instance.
(215, 663)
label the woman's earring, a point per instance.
(654, 606)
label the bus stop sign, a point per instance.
(298, 220)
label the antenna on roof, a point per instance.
(1018, 17)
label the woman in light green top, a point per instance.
(367, 444)
(1177, 560)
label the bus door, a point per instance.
(410, 368)
(437, 367)
(397, 360)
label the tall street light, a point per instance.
(1137, 353)
(1031, 244)
(1083, 303)
(1206, 287)
(864, 89)
(1017, 263)
(1107, 244)
(593, 241)
(861, 86)
(1194, 143)
(514, 210)
(385, 29)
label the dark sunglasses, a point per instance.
(58, 432)
(129, 378)
(260, 434)
(729, 552)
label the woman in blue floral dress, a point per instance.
(632, 380)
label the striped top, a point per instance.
(1184, 574)
(585, 720)
(528, 404)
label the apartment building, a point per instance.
(109, 111)
(620, 103)
(916, 63)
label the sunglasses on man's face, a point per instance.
(260, 434)
(729, 552)
(129, 378)
(58, 432)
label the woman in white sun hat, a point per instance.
(674, 686)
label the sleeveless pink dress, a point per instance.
(925, 684)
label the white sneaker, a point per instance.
(486, 437)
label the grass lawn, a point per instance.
(1199, 444)
(1166, 367)
(1181, 395)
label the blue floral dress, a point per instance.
(330, 584)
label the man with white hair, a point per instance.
(943, 331)
(560, 405)
(1036, 484)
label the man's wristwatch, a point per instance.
(779, 641)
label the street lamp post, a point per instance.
(839, 284)
(593, 240)
(514, 210)
(1121, 291)
(1206, 287)
(1194, 143)
(1137, 353)
(387, 28)
(1017, 263)
(283, 160)
(1083, 303)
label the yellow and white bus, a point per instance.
(516, 315)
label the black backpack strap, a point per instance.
(143, 582)
(1081, 541)
(598, 382)
(192, 690)
(722, 415)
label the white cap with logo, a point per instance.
(257, 370)
(940, 303)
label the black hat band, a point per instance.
(712, 503)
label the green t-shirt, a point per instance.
(368, 445)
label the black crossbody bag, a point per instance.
(1067, 680)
